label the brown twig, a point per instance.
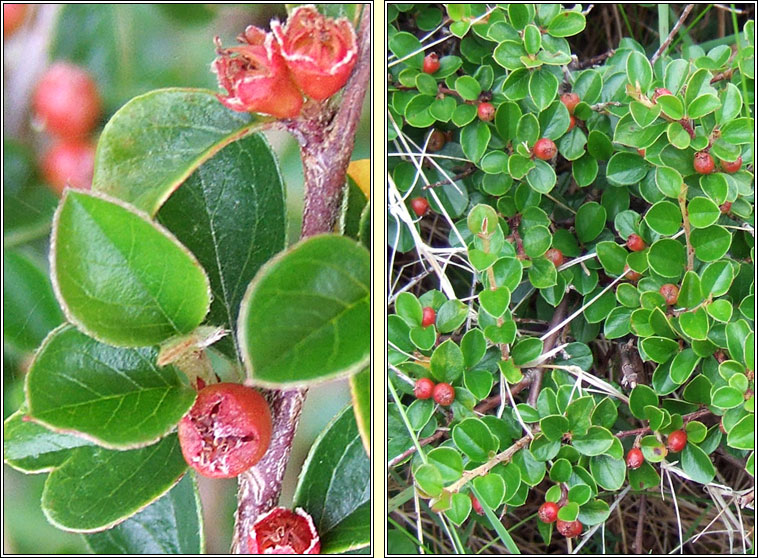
(667, 42)
(326, 134)
(560, 314)
(646, 430)
(640, 522)
(471, 169)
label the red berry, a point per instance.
(423, 388)
(437, 141)
(419, 206)
(660, 91)
(66, 101)
(703, 163)
(569, 529)
(572, 122)
(555, 256)
(320, 52)
(428, 317)
(69, 163)
(641, 152)
(670, 293)
(634, 458)
(545, 149)
(631, 274)
(477, 507)
(13, 17)
(226, 431)
(733, 166)
(570, 100)
(282, 531)
(726, 207)
(548, 512)
(444, 394)
(677, 440)
(431, 63)
(635, 243)
(486, 111)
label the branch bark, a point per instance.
(326, 133)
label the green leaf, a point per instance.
(738, 131)
(596, 441)
(110, 485)
(496, 301)
(694, 324)
(640, 397)
(711, 243)
(173, 524)
(30, 310)
(626, 168)
(589, 221)
(78, 384)
(319, 291)
(671, 106)
(716, 278)
(608, 472)
(554, 427)
(566, 24)
(612, 257)
(702, 105)
(697, 464)
(335, 486)
(638, 70)
(669, 181)
(29, 447)
(527, 350)
(230, 213)
(677, 135)
(468, 88)
(360, 393)
(727, 397)
(541, 177)
(702, 212)
(111, 266)
(659, 349)
(571, 145)
(155, 141)
(543, 86)
(492, 489)
(474, 140)
(667, 258)
(451, 315)
(447, 362)
(409, 308)
(478, 382)
(474, 439)
(742, 435)
(664, 217)
(683, 365)
(598, 310)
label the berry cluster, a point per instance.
(548, 513)
(442, 393)
(67, 105)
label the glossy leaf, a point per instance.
(360, 393)
(120, 277)
(335, 486)
(318, 290)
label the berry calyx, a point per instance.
(475, 505)
(548, 512)
(13, 16)
(428, 316)
(731, 166)
(635, 243)
(69, 163)
(555, 256)
(437, 141)
(444, 394)
(570, 100)
(703, 163)
(726, 207)
(670, 292)
(572, 122)
(569, 529)
(423, 388)
(545, 149)
(419, 206)
(660, 91)
(431, 63)
(641, 152)
(486, 111)
(226, 431)
(677, 440)
(282, 531)
(320, 52)
(66, 101)
(634, 458)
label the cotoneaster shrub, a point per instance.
(591, 304)
(189, 326)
